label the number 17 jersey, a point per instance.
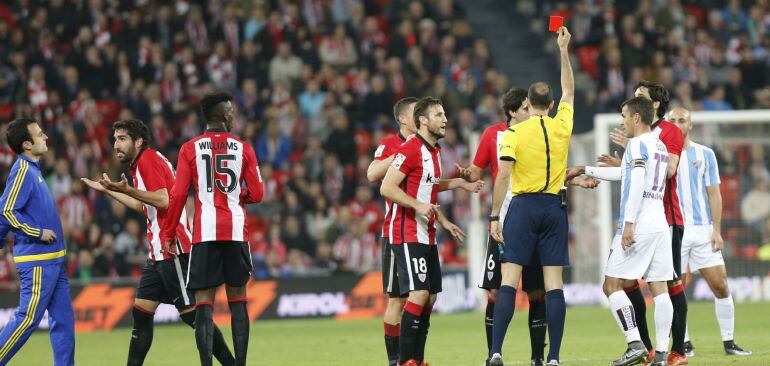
(216, 164)
(648, 152)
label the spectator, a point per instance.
(285, 66)
(337, 49)
(274, 147)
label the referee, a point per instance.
(39, 250)
(534, 153)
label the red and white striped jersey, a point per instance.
(421, 162)
(151, 171)
(216, 164)
(487, 154)
(387, 147)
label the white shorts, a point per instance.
(649, 258)
(696, 248)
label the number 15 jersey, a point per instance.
(216, 164)
(648, 152)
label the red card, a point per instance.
(555, 23)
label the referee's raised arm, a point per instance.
(567, 79)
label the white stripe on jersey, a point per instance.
(392, 218)
(152, 221)
(424, 191)
(208, 210)
(234, 197)
(697, 170)
(183, 219)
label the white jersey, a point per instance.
(649, 152)
(697, 170)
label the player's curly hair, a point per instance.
(512, 100)
(135, 129)
(210, 102)
(658, 93)
(421, 108)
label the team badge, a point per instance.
(490, 274)
(398, 160)
(379, 151)
(422, 277)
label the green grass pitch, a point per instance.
(591, 338)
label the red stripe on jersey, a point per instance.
(151, 171)
(216, 164)
(386, 148)
(487, 154)
(671, 136)
(421, 163)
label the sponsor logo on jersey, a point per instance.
(378, 152)
(398, 160)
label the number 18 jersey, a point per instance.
(648, 152)
(216, 164)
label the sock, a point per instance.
(489, 321)
(664, 314)
(679, 301)
(504, 308)
(391, 342)
(220, 350)
(634, 294)
(422, 337)
(410, 328)
(239, 320)
(141, 336)
(623, 312)
(725, 310)
(204, 331)
(556, 313)
(686, 333)
(537, 327)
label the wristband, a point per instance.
(494, 218)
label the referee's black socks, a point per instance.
(634, 294)
(220, 350)
(204, 331)
(556, 312)
(679, 323)
(505, 305)
(537, 327)
(141, 336)
(239, 318)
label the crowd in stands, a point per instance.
(314, 81)
(711, 55)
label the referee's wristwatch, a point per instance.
(493, 218)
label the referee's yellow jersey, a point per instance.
(539, 148)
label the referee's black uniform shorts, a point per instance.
(536, 224)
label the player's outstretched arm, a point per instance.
(453, 229)
(123, 198)
(471, 174)
(454, 183)
(255, 190)
(634, 201)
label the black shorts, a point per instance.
(164, 282)
(418, 267)
(536, 222)
(389, 272)
(532, 277)
(213, 263)
(491, 276)
(677, 232)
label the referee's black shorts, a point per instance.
(536, 223)
(213, 263)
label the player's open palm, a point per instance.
(464, 173)
(717, 243)
(608, 160)
(93, 185)
(619, 137)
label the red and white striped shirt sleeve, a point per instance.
(178, 195)
(251, 175)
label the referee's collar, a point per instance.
(426, 143)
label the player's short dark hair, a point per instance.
(640, 105)
(402, 103)
(421, 108)
(540, 95)
(17, 133)
(210, 102)
(658, 93)
(135, 129)
(512, 100)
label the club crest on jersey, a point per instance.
(490, 274)
(422, 277)
(378, 152)
(398, 160)
(697, 163)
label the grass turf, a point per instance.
(591, 338)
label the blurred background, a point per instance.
(315, 82)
